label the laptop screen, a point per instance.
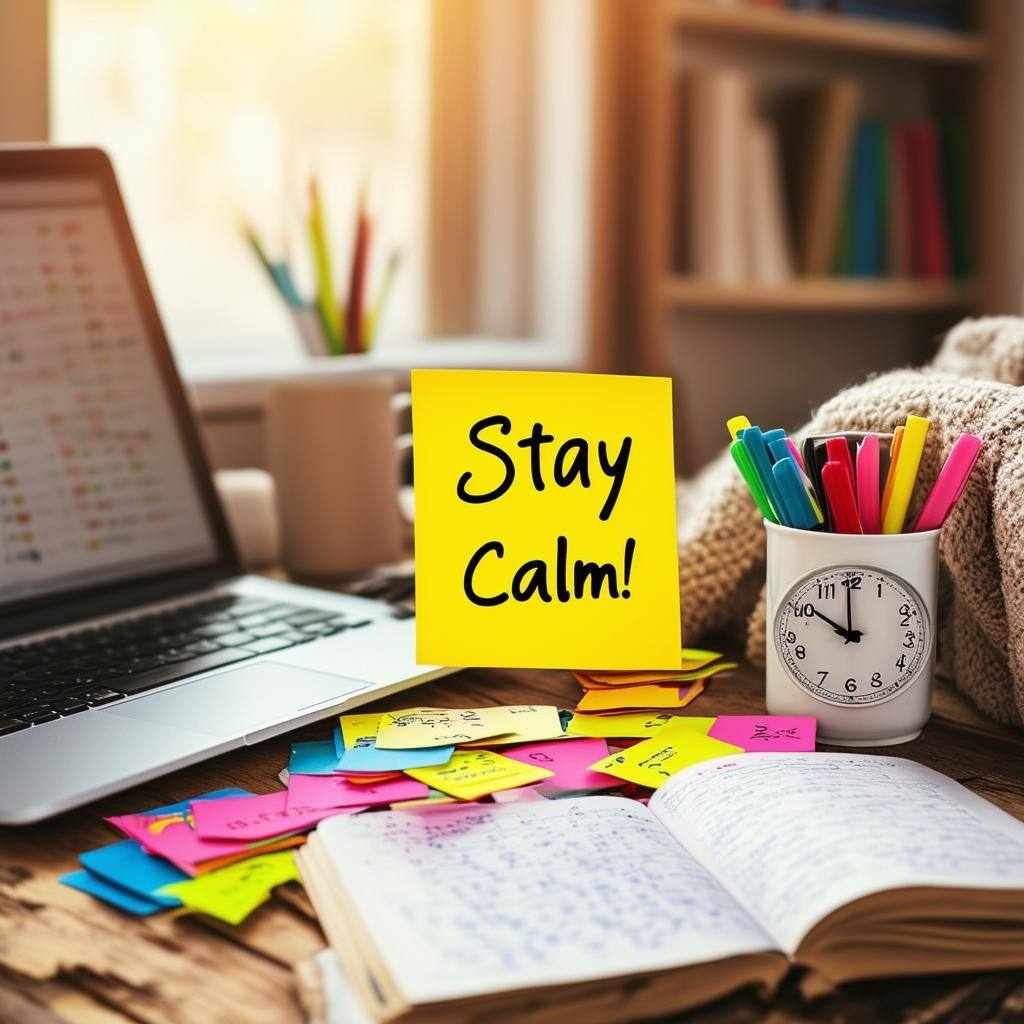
(95, 481)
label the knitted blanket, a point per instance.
(971, 386)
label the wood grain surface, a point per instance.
(66, 957)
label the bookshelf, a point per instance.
(839, 327)
(809, 28)
(820, 294)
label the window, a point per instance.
(222, 108)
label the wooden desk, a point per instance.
(65, 957)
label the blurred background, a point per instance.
(767, 200)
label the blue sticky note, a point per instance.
(128, 866)
(317, 758)
(86, 881)
(369, 759)
(339, 742)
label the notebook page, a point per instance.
(486, 898)
(795, 836)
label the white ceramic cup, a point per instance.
(799, 563)
(335, 452)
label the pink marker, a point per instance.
(795, 452)
(949, 484)
(868, 494)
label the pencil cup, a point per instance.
(851, 623)
(335, 453)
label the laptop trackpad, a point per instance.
(241, 700)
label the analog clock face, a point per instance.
(853, 636)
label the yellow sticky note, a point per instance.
(654, 761)
(545, 520)
(231, 894)
(474, 773)
(637, 726)
(623, 697)
(358, 730)
(438, 727)
(592, 680)
(528, 723)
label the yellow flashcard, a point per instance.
(471, 774)
(545, 520)
(233, 893)
(654, 761)
(635, 726)
(438, 727)
(624, 697)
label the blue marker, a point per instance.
(779, 450)
(754, 442)
(794, 494)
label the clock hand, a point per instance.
(847, 634)
(849, 607)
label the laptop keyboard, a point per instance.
(68, 674)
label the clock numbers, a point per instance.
(831, 636)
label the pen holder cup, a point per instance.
(851, 622)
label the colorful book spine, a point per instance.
(866, 201)
(954, 165)
(930, 227)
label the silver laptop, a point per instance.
(130, 642)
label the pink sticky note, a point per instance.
(258, 817)
(765, 732)
(172, 837)
(570, 760)
(337, 791)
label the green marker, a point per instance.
(749, 474)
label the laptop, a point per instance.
(131, 642)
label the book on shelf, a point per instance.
(738, 226)
(833, 119)
(741, 869)
(721, 109)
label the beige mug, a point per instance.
(335, 452)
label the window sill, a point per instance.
(233, 388)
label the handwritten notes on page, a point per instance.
(570, 760)
(474, 773)
(493, 897)
(433, 727)
(233, 893)
(769, 823)
(632, 726)
(672, 748)
(545, 520)
(758, 733)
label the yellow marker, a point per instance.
(326, 300)
(890, 476)
(736, 424)
(654, 761)
(907, 463)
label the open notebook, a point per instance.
(851, 866)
